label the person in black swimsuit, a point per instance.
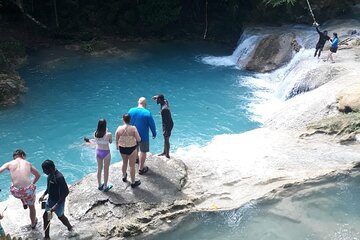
(127, 138)
(167, 122)
(323, 37)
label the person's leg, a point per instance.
(331, 58)
(167, 146)
(144, 148)
(46, 225)
(142, 160)
(319, 52)
(32, 211)
(106, 169)
(316, 52)
(132, 160)
(66, 222)
(99, 170)
(125, 159)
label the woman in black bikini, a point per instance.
(127, 138)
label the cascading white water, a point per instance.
(275, 87)
(245, 48)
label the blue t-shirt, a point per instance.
(142, 119)
(335, 43)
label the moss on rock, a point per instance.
(340, 124)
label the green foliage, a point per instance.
(276, 3)
(156, 14)
(12, 48)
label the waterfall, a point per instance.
(272, 88)
(243, 51)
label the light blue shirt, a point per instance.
(335, 43)
(142, 119)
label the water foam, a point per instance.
(240, 55)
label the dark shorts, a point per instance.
(127, 150)
(59, 210)
(144, 146)
(167, 130)
(319, 46)
(333, 50)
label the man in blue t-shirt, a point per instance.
(142, 119)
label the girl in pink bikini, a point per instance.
(102, 139)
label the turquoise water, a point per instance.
(68, 93)
(327, 212)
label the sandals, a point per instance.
(101, 187)
(34, 226)
(124, 179)
(135, 184)
(143, 171)
(108, 187)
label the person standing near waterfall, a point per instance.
(334, 47)
(142, 119)
(58, 190)
(23, 187)
(323, 37)
(167, 122)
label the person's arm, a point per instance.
(63, 192)
(137, 135)
(117, 136)
(335, 41)
(317, 29)
(36, 173)
(44, 194)
(110, 138)
(4, 167)
(152, 125)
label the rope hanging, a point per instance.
(311, 11)
(206, 19)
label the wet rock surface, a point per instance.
(120, 213)
(273, 52)
(11, 87)
(127, 212)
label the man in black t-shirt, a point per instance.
(167, 122)
(58, 190)
(323, 37)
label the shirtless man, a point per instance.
(22, 186)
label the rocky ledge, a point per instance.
(120, 213)
(125, 212)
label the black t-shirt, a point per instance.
(57, 187)
(167, 121)
(322, 37)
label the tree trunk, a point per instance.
(56, 14)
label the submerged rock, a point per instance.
(273, 52)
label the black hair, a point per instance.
(127, 118)
(335, 34)
(161, 97)
(101, 129)
(19, 153)
(48, 165)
